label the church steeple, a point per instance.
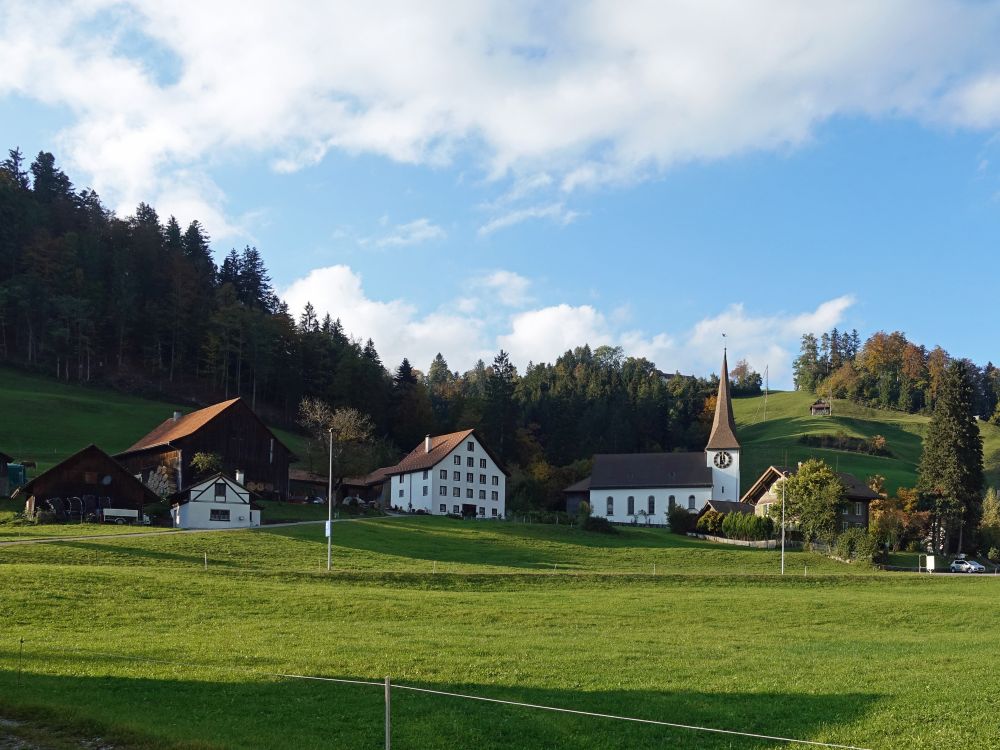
(723, 435)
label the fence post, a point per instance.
(388, 714)
(20, 662)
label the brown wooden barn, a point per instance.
(229, 429)
(83, 484)
(4, 460)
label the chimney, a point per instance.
(240, 476)
(177, 416)
(427, 444)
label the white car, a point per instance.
(966, 566)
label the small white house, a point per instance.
(218, 502)
(453, 473)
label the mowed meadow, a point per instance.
(134, 639)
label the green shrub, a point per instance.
(599, 524)
(747, 526)
(857, 544)
(993, 554)
(583, 513)
(680, 520)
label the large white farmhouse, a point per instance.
(453, 473)
(644, 487)
(218, 502)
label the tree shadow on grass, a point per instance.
(234, 709)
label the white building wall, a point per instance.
(407, 489)
(726, 482)
(197, 512)
(661, 500)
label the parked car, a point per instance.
(966, 566)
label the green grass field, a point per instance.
(135, 641)
(45, 420)
(775, 441)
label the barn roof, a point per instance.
(368, 480)
(854, 488)
(625, 470)
(5, 459)
(420, 459)
(188, 424)
(726, 506)
(93, 453)
(582, 486)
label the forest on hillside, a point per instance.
(888, 371)
(139, 303)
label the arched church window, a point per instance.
(631, 505)
(691, 502)
(611, 506)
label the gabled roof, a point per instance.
(723, 434)
(5, 459)
(582, 486)
(420, 459)
(638, 470)
(209, 483)
(188, 424)
(854, 488)
(726, 506)
(92, 452)
(368, 480)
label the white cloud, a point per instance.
(612, 92)
(394, 326)
(542, 335)
(509, 288)
(555, 211)
(412, 233)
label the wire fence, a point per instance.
(388, 686)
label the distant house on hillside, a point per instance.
(766, 493)
(218, 502)
(84, 484)
(4, 485)
(229, 429)
(454, 473)
(820, 408)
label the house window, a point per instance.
(468, 494)
(611, 506)
(482, 510)
(90, 477)
(482, 463)
(442, 508)
(220, 491)
(400, 478)
(426, 473)
(631, 506)
(470, 477)
(443, 473)
(458, 460)
(444, 490)
(425, 490)
(496, 480)
(470, 446)
(844, 511)
(857, 509)
(456, 476)
(845, 525)
(671, 502)
(400, 491)
(217, 514)
(470, 462)
(454, 509)
(456, 491)
(494, 512)
(690, 502)
(494, 496)
(482, 494)
(482, 479)
(651, 505)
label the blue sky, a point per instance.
(646, 175)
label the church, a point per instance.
(645, 487)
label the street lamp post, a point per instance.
(329, 503)
(783, 527)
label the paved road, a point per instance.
(132, 534)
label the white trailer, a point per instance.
(122, 516)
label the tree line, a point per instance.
(139, 303)
(888, 371)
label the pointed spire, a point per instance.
(723, 435)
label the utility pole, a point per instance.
(766, 378)
(329, 502)
(782, 527)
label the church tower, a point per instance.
(723, 450)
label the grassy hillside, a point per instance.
(183, 657)
(45, 420)
(776, 441)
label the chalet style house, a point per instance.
(645, 487)
(218, 502)
(766, 493)
(454, 473)
(84, 484)
(229, 429)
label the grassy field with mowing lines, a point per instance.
(715, 638)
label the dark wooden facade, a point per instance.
(4, 460)
(230, 430)
(90, 473)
